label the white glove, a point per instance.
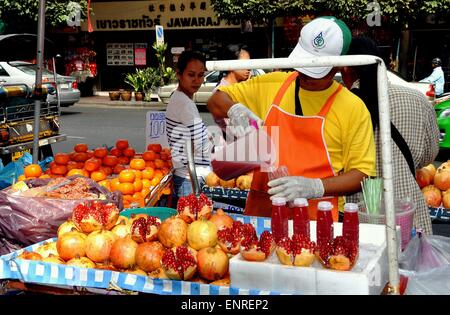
(291, 187)
(241, 120)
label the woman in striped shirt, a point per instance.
(183, 123)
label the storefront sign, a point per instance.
(145, 15)
(155, 131)
(140, 56)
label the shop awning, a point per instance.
(23, 47)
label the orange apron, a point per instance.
(302, 149)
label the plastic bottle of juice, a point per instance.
(300, 217)
(350, 226)
(279, 218)
(324, 227)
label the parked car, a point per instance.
(426, 89)
(21, 72)
(205, 91)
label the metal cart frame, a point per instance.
(385, 130)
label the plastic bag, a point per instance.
(425, 252)
(11, 172)
(434, 282)
(28, 220)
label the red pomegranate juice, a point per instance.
(300, 217)
(350, 226)
(324, 227)
(279, 218)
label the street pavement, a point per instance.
(98, 121)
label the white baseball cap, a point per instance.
(323, 36)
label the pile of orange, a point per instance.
(32, 171)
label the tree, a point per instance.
(58, 12)
(262, 12)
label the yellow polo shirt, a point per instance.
(348, 128)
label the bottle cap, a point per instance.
(325, 205)
(351, 207)
(279, 201)
(300, 202)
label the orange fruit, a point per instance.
(137, 164)
(115, 184)
(138, 185)
(127, 176)
(126, 188)
(76, 171)
(148, 173)
(98, 176)
(32, 170)
(137, 195)
(44, 176)
(145, 191)
(137, 173)
(145, 183)
(155, 181)
(105, 183)
(22, 177)
(159, 173)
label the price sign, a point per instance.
(155, 131)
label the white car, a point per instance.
(426, 89)
(205, 91)
(21, 72)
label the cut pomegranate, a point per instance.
(180, 263)
(145, 229)
(230, 239)
(297, 251)
(254, 250)
(94, 215)
(191, 208)
(338, 254)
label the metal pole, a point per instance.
(388, 183)
(385, 130)
(273, 38)
(38, 84)
(55, 77)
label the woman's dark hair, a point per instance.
(187, 56)
(231, 52)
(367, 75)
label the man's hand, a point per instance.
(242, 119)
(291, 187)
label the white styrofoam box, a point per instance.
(368, 276)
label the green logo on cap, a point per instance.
(319, 41)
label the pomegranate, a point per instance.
(148, 256)
(145, 229)
(46, 250)
(107, 265)
(122, 220)
(212, 180)
(212, 263)
(338, 254)
(201, 234)
(82, 262)
(172, 232)
(222, 282)
(123, 253)
(99, 244)
(424, 177)
(244, 182)
(94, 215)
(432, 195)
(442, 178)
(66, 226)
(121, 230)
(431, 168)
(180, 263)
(298, 251)
(230, 239)
(158, 274)
(71, 244)
(136, 271)
(221, 220)
(446, 199)
(54, 259)
(254, 250)
(191, 208)
(30, 256)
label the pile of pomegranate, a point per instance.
(338, 254)
(435, 184)
(191, 207)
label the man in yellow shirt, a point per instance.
(325, 131)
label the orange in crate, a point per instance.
(98, 176)
(127, 176)
(137, 173)
(137, 164)
(32, 170)
(105, 183)
(145, 183)
(126, 188)
(138, 185)
(115, 184)
(148, 173)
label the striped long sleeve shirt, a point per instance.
(183, 123)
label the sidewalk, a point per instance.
(104, 100)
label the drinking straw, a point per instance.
(371, 189)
